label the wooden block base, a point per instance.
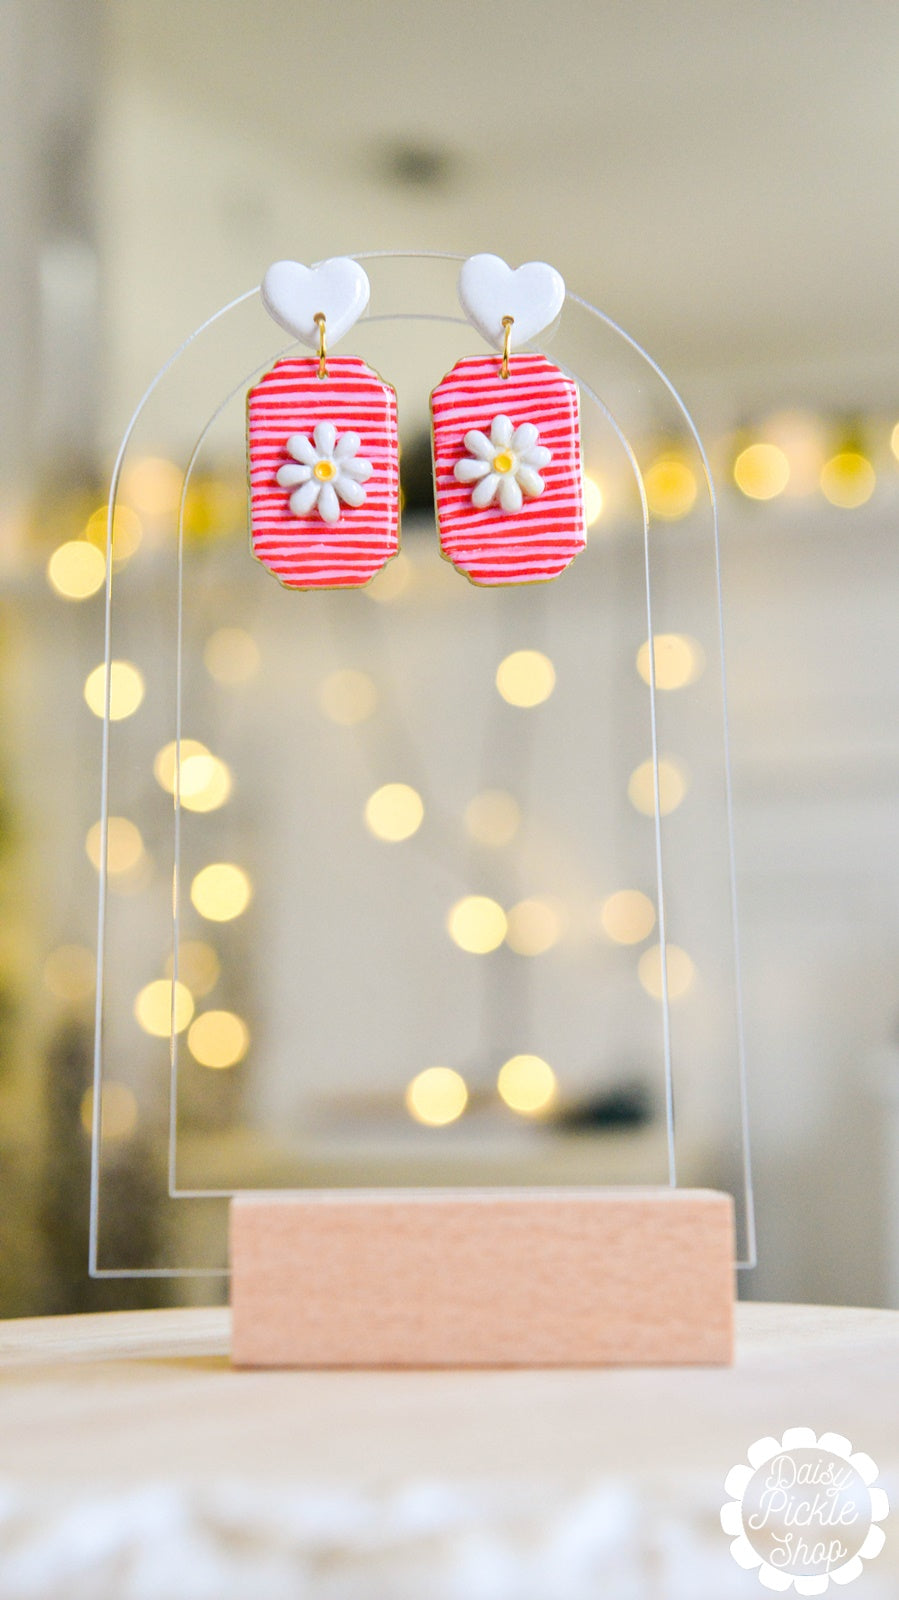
(482, 1278)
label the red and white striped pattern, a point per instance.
(305, 552)
(539, 541)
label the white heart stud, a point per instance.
(489, 290)
(294, 295)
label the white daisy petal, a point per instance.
(291, 474)
(744, 1554)
(736, 1481)
(763, 1450)
(771, 1578)
(801, 1439)
(325, 435)
(328, 504)
(814, 1586)
(863, 1465)
(468, 471)
(485, 491)
(524, 437)
(520, 473)
(732, 1517)
(347, 445)
(838, 1444)
(304, 498)
(358, 468)
(848, 1573)
(302, 449)
(536, 456)
(879, 1503)
(349, 490)
(509, 493)
(529, 481)
(874, 1543)
(477, 444)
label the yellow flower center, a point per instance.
(504, 462)
(324, 471)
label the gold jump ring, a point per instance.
(319, 320)
(507, 340)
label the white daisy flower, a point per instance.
(505, 467)
(328, 469)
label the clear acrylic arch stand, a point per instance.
(331, 993)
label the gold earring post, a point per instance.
(507, 341)
(319, 320)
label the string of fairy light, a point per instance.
(795, 455)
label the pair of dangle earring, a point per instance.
(323, 450)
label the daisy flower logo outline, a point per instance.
(815, 1471)
(325, 470)
(504, 465)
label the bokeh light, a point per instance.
(126, 690)
(628, 916)
(671, 488)
(153, 484)
(477, 924)
(800, 436)
(231, 656)
(848, 479)
(76, 570)
(527, 1084)
(394, 812)
(493, 818)
(678, 660)
(153, 1007)
(762, 471)
(436, 1096)
(673, 785)
(218, 1039)
(214, 506)
(526, 678)
(198, 966)
(534, 926)
(221, 891)
(124, 845)
(127, 532)
(118, 1111)
(593, 501)
(894, 441)
(680, 969)
(206, 782)
(392, 581)
(164, 763)
(347, 696)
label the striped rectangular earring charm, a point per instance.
(507, 455)
(322, 443)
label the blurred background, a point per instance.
(419, 929)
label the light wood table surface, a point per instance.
(134, 1396)
(135, 1464)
